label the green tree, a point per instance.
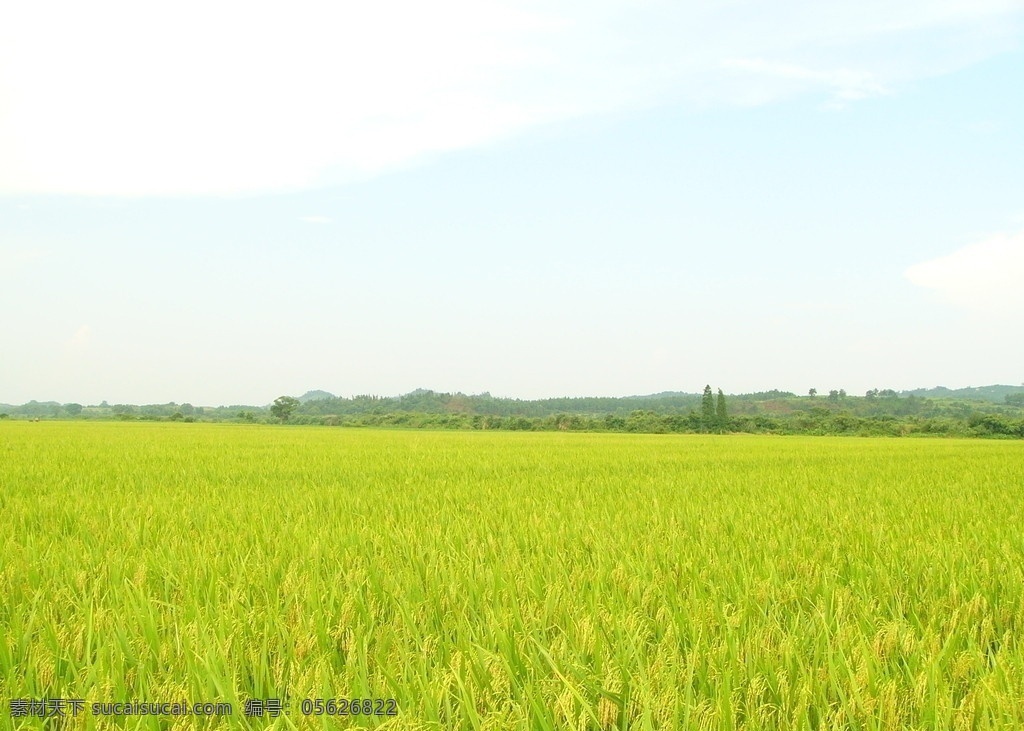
(721, 416)
(283, 407)
(73, 409)
(707, 407)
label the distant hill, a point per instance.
(996, 394)
(33, 408)
(315, 396)
(667, 394)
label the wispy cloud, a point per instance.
(844, 85)
(224, 97)
(985, 276)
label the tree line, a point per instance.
(878, 412)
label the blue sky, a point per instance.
(604, 198)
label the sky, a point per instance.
(221, 203)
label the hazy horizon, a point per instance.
(214, 404)
(536, 200)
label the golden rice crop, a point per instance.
(512, 580)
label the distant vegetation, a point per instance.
(991, 411)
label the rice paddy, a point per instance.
(512, 580)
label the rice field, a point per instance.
(510, 581)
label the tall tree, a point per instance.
(720, 411)
(707, 407)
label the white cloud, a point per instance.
(117, 97)
(845, 85)
(315, 219)
(986, 276)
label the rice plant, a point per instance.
(510, 581)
